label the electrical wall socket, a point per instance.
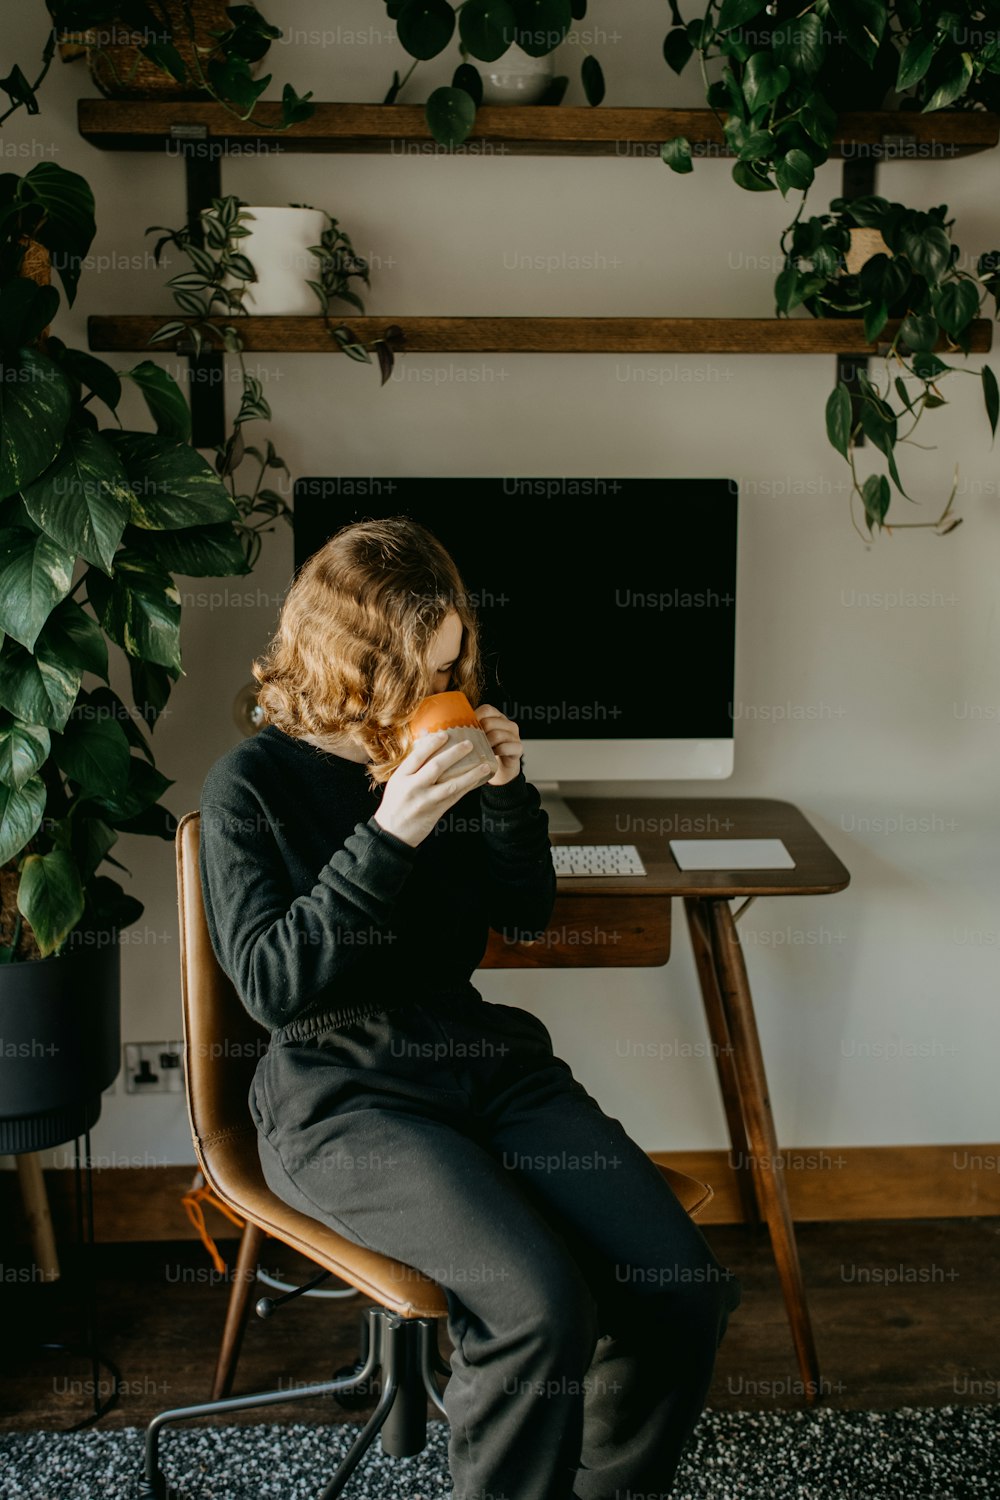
(154, 1067)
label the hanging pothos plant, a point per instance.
(915, 278)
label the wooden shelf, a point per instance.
(503, 335)
(561, 130)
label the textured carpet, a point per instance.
(943, 1453)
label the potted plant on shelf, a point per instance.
(914, 277)
(170, 48)
(94, 520)
(224, 282)
(785, 74)
(515, 38)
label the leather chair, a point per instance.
(399, 1335)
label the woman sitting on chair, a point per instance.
(351, 879)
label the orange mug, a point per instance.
(453, 712)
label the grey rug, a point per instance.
(942, 1453)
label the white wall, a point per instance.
(877, 1006)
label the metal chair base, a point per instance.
(404, 1350)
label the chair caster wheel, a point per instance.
(357, 1399)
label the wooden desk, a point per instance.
(625, 922)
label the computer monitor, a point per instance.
(607, 610)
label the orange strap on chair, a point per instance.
(192, 1202)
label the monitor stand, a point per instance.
(561, 817)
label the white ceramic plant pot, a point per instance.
(516, 77)
(278, 246)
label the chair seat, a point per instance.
(232, 1169)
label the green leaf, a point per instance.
(746, 177)
(593, 79)
(542, 25)
(140, 608)
(677, 49)
(92, 839)
(919, 332)
(94, 753)
(875, 495)
(75, 637)
(876, 315)
(736, 12)
(67, 225)
(39, 688)
(928, 251)
(764, 79)
(82, 501)
(955, 305)
(954, 84)
(794, 170)
(166, 56)
(35, 404)
(677, 154)
(196, 551)
(451, 115)
(799, 44)
(35, 573)
(21, 811)
(928, 366)
(991, 395)
(838, 418)
(862, 22)
(50, 897)
(487, 28)
(425, 27)
(151, 685)
(165, 400)
(464, 77)
(884, 278)
(94, 374)
(818, 120)
(170, 484)
(24, 748)
(916, 58)
(145, 786)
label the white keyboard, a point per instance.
(597, 859)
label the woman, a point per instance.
(350, 884)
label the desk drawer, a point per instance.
(592, 932)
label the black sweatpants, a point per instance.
(585, 1307)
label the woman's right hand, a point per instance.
(420, 790)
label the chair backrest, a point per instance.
(222, 1040)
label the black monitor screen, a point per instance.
(607, 608)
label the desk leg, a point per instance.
(725, 1057)
(737, 1002)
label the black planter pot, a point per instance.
(60, 1043)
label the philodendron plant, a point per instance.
(94, 521)
(915, 278)
(486, 29)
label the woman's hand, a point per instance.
(420, 789)
(505, 742)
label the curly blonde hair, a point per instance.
(350, 653)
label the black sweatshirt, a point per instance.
(312, 908)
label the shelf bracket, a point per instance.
(858, 181)
(206, 371)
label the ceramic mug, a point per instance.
(453, 712)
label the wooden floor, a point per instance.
(905, 1314)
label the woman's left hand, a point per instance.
(505, 742)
